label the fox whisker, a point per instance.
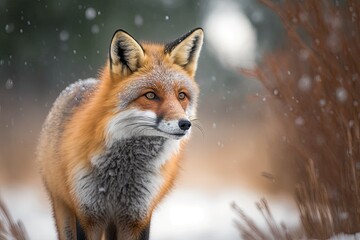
(193, 118)
(200, 129)
(136, 118)
(146, 128)
(137, 124)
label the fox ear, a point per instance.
(125, 54)
(185, 50)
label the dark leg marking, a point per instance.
(80, 234)
(68, 232)
(145, 234)
(110, 233)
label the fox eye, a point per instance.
(150, 95)
(182, 96)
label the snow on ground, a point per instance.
(31, 207)
(185, 214)
(346, 237)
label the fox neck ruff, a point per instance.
(124, 179)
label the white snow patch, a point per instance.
(29, 206)
(189, 214)
(343, 236)
(192, 214)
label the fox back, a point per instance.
(110, 148)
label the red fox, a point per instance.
(110, 149)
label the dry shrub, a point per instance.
(8, 228)
(249, 230)
(313, 83)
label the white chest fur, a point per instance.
(124, 180)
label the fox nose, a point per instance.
(184, 124)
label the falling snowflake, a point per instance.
(64, 35)
(299, 121)
(322, 102)
(9, 84)
(304, 83)
(138, 20)
(9, 27)
(341, 94)
(90, 13)
(95, 29)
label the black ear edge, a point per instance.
(170, 46)
(121, 30)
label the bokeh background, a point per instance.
(46, 45)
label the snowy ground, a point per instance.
(185, 214)
(346, 237)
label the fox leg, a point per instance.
(145, 233)
(111, 232)
(140, 234)
(124, 231)
(92, 230)
(65, 220)
(94, 233)
(80, 234)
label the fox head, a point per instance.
(151, 86)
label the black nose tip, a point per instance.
(184, 124)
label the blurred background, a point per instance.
(46, 45)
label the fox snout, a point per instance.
(134, 122)
(175, 128)
(184, 124)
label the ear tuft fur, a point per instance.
(185, 50)
(125, 54)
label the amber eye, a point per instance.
(182, 96)
(150, 95)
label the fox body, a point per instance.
(110, 149)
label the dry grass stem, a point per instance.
(9, 229)
(249, 229)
